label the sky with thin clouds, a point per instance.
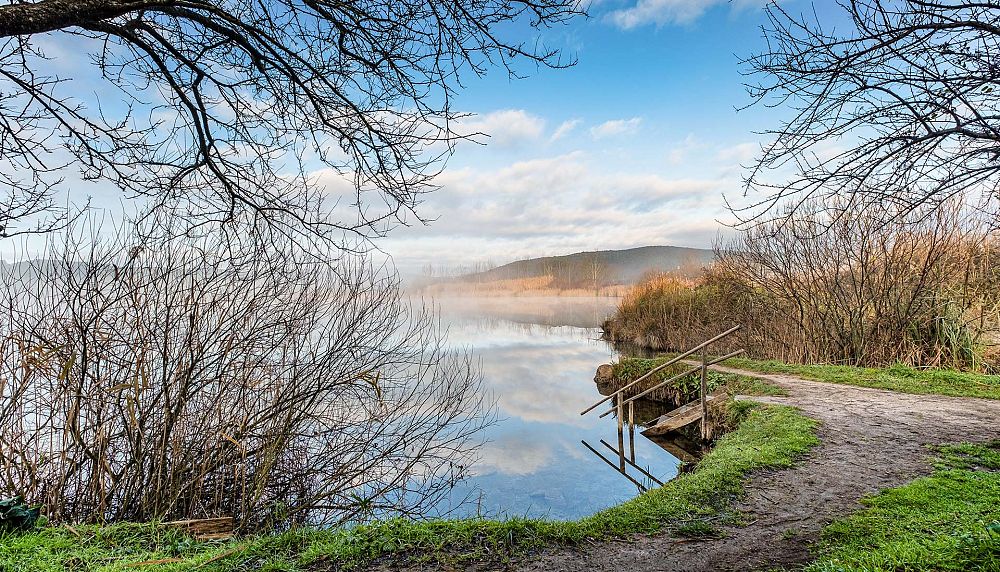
(634, 145)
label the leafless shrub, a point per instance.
(145, 381)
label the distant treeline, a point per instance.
(841, 286)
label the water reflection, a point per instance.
(539, 356)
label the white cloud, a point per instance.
(662, 12)
(505, 128)
(514, 455)
(683, 151)
(616, 127)
(740, 153)
(564, 129)
(557, 205)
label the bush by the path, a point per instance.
(839, 286)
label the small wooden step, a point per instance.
(680, 417)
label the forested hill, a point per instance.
(603, 266)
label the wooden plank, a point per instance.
(205, 528)
(673, 447)
(680, 417)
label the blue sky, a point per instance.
(636, 144)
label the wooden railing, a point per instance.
(620, 403)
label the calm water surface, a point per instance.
(539, 356)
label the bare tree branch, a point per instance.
(229, 110)
(896, 106)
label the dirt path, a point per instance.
(870, 440)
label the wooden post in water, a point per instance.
(704, 394)
(631, 430)
(640, 486)
(621, 433)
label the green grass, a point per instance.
(949, 521)
(629, 369)
(767, 437)
(900, 378)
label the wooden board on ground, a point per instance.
(680, 417)
(205, 528)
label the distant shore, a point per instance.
(525, 287)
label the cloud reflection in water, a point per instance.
(542, 374)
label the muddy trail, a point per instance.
(870, 440)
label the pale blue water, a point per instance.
(539, 356)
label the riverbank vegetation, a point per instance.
(694, 503)
(602, 273)
(839, 286)
(536, 286)
(948, 521)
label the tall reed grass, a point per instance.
(848, 288)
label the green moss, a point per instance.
(630, 369)
(900, 378)
(947, 521)
(768, 437)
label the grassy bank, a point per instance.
(949, 521)
(766, 437)
(900, 378)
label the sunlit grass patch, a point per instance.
(949, 521)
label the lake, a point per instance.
(539, 356)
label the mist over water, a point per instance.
(539, 356)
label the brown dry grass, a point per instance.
(534, 286)
(853, 290)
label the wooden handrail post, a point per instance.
(631, 430)
(691, 371)
(704, 394)
(621, 434)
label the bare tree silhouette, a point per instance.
(221, 109)
(895, 105)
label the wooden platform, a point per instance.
(680, 417)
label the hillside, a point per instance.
(613, 266)
(589, 271)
